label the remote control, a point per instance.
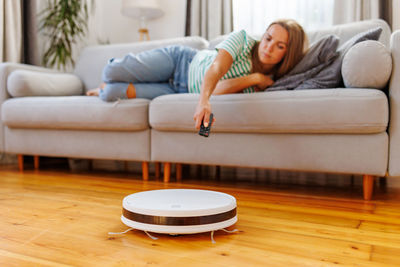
(205, 131)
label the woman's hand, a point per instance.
(218, 68)
(203, 111)
(264, 81)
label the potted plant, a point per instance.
(63, 22)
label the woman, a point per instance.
(239, 64)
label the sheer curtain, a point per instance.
(396, 16)
(10, 30)
(353, 10)
(208, 18)
(255, 15)
(18, 31)
(30, 50)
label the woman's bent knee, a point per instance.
(106, 97)
(113, 92)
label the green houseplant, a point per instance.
(63, 22)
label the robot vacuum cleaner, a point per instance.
(179, 211)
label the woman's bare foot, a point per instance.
(95, 91)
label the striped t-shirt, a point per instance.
(238, 45)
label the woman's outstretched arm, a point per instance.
(212, 85)
(217, 70)
(236, 85)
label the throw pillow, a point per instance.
(33, 83)
(331, 76)
(318, 56)
(367, 64)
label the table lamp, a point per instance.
(143, 10)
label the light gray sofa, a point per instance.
(339, 130)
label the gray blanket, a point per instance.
(331, 76)
(319, 55)
(321, 66)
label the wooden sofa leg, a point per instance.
(179, 172)
(167, 172)
(368, 186)
(90, 165)
(21, 162)
(126, 166)
(218, 172)
(145, 170)
(36, 162)
(157, 170)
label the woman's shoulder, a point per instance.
(242, 35)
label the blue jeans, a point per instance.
(153, 73)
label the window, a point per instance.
(255, 15)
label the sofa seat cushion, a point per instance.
(75, 112)
(305, 111)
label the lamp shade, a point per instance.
(141, 9)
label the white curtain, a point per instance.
(30, 46)
(255, 15)
(210, 18)
(354, 10)
(396, 15)
(10, 31)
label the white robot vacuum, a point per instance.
(179, 211)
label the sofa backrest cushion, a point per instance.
(343, 31)
(93, 58)
(346, 31)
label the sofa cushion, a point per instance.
(75, 112)
(367, 64)
(305, 111)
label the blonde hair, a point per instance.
(297, 45)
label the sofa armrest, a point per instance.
(394, 100)
(18, 80)
(22, 83)
(7, 68)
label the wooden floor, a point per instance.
(59, 218)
